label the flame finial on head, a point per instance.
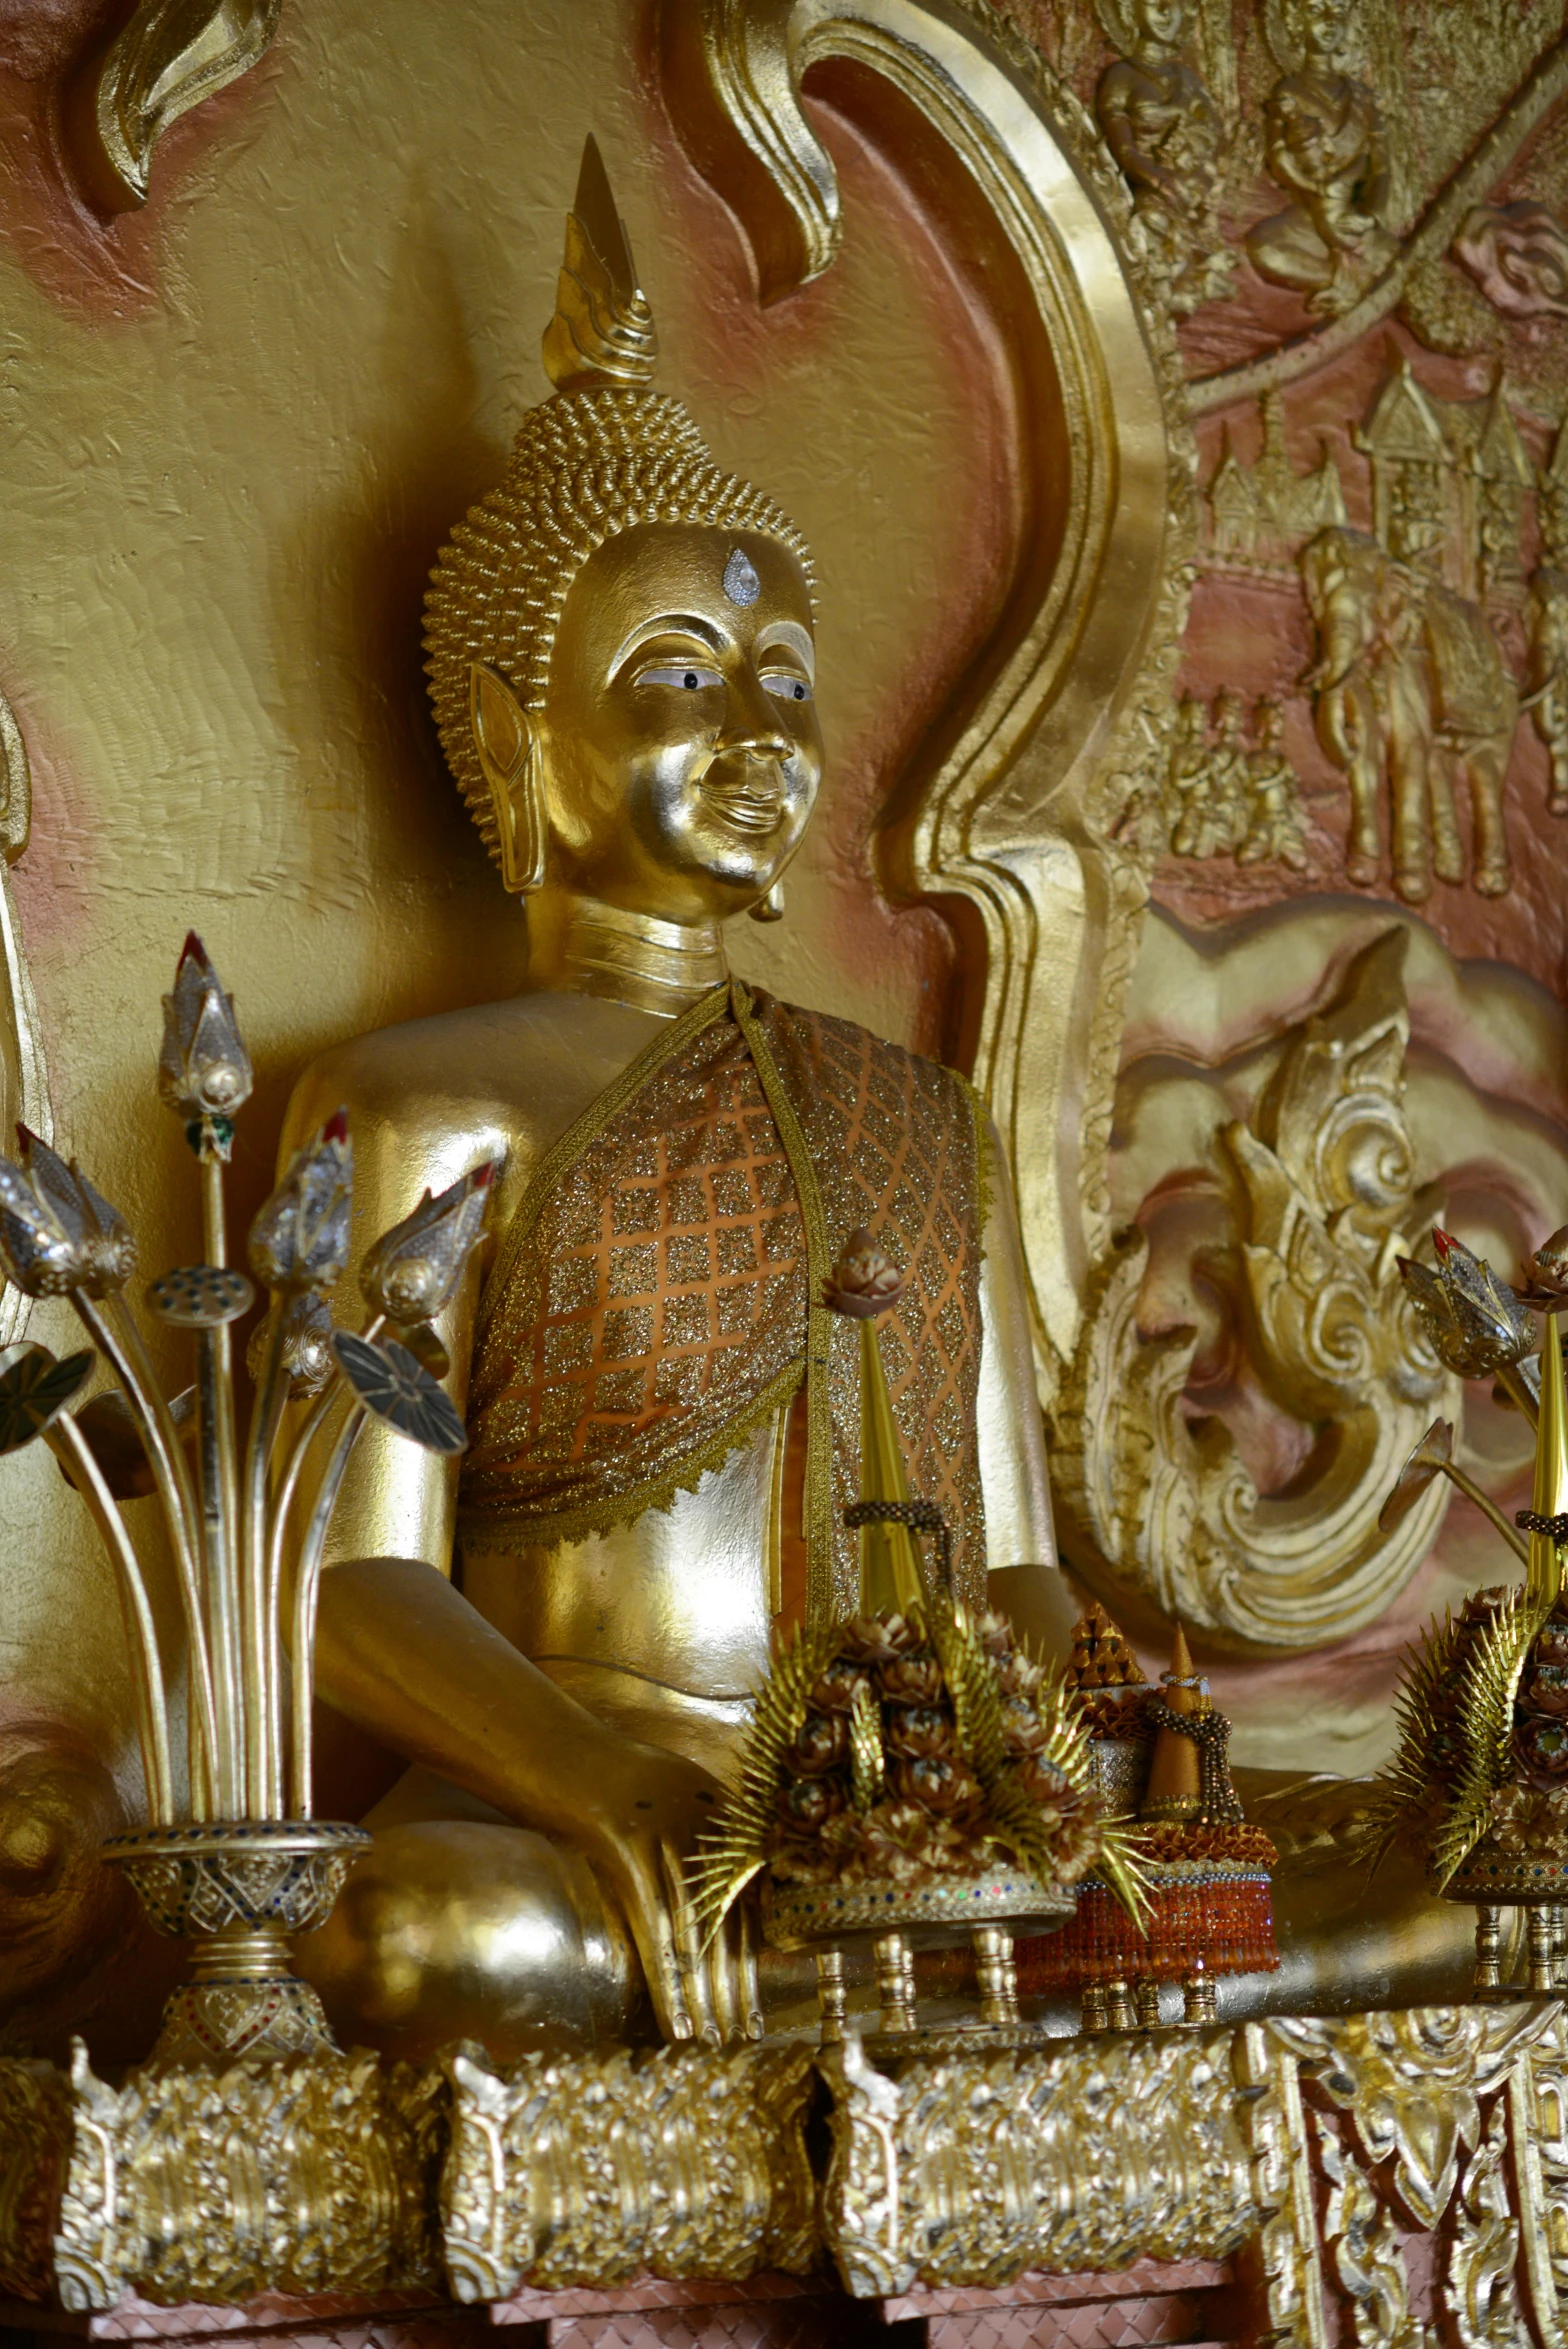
(602, 334)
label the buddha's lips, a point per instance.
(752, 802)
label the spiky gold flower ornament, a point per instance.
(1480, 1773)
(913, 1766)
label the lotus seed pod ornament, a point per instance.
(912, 1775)
(232, 1858)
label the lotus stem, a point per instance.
(282, 1506)
(220, 1469)
(307, 1592)
(1512, 1382)
(66, 1440)
(119, 1340)
(1472, 1492)
(261, 1680)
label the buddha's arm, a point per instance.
(1020, 1544)
(402, 1654)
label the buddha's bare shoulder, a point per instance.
(507, 1072)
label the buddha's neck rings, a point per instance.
(635, 958)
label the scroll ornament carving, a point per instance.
(1325, 1204)
(559, 2172)
(1413, 2082)
(167, 59)
(1368, 2261)
(1482, 2292)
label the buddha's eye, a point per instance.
(685, 676)
(787, 685)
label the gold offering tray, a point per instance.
(802, 1916)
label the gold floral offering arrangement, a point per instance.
(1160, 1756)
(1480, 1774)
(232, 1857)
(911, 1772)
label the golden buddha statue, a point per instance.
(560, 1635)
(555, 1640)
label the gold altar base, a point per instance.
(1367, 2177)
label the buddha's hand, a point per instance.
(650, 1814)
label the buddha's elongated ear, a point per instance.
(507, 741)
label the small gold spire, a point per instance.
(1543, 1577)
(602, 336)
(1175, 1787)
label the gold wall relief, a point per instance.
(1012, 814)
(1380, 271)
(169, 57)
(1326, 146)
(1314, 1335)
(1168, 138)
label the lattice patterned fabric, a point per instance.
(895, 1144)
(650, 1305)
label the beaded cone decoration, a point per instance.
(1163, 1755)
(913, 1766)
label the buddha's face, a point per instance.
(681, 751)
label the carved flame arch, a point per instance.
(1007, 822)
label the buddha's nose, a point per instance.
(753, 721)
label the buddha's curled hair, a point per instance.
(585, 466)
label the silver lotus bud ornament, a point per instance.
(204, 1071)
(1471, 1320)
(299, 1240)
(412, 1272)
(59, 1237)
(306, 1357)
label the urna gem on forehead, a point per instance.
(741, 583)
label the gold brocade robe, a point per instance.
(658, 1293)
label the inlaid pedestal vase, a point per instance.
(238, 1890)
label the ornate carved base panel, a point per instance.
(1387, 2179)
